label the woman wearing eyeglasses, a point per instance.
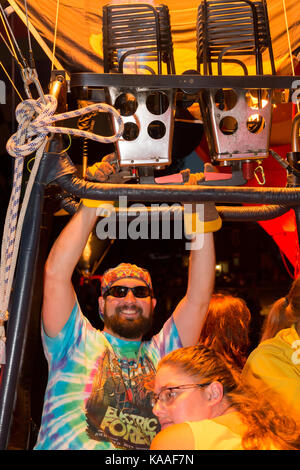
(202, 404)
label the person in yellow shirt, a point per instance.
(202, 404)
(275, 363)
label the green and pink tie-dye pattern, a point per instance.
(98, 394)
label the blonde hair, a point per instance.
(265, 425)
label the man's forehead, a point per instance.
(129, 282)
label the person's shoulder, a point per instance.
(278, 345)
(220, 433)
(271, 357)
(174, 437)
(268, 346)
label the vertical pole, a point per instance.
(24, 281)
(20, 308)
(294, 160)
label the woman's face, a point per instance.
(175, 406)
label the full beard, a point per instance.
(127, 327)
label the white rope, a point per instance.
(35, 120)
(42, 125)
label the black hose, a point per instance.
(178, 193)
(251, 213)
(227, 213)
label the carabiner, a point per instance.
(262, 180)
(30, 77)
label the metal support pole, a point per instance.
(21, 300)
(294, 158)
(296, 163)
(20, 309)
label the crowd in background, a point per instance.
(227, 398)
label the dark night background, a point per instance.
(250, 263)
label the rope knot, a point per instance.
(35, 121)
(21, 143)
(32, 116)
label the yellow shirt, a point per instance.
(221, 433)
(275, 364)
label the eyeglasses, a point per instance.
(168, 395)
(121, 291)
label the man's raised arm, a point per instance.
(190, 313)
(59, 295)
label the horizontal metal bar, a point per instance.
(186, 82)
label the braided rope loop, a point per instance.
(35, 121)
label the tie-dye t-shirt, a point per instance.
(98, 393)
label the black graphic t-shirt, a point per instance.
(119, 407)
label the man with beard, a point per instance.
(99, 388)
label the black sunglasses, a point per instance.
(121, 291)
